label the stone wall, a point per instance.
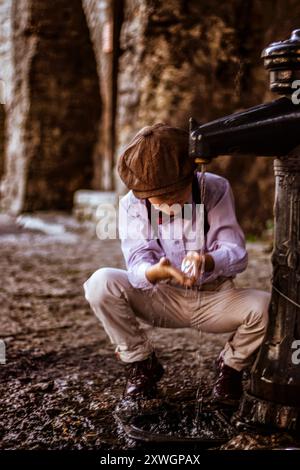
(105, 18)
(75, 99)
(55, 106)
(97, 15)
(5, 75)
(2, 127)
(202, 59)
(2, 138)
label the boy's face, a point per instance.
(178, 198)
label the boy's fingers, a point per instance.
(177, 275)
(164, 261)
(190, 281)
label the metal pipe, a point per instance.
(271, 129)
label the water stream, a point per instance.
(199, 395)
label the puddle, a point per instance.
(178, 420)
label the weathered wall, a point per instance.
(2, 138)
(6, 69)
(99, 20)
(5, 74)
(104, 19)
(55, 109)
(179, 59)
(202, 59)
(13, 183)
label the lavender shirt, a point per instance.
(224, 241)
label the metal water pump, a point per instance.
(271, 129)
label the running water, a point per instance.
(202, 220)
(190, 269)
(199, 395)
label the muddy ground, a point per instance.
(61, 381)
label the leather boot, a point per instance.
(142, 377)
(228, 387)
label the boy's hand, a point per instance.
(163, 270)
(192, 263)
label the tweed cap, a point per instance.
(156, 161)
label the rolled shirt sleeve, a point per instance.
(225, 238)
(139, 249)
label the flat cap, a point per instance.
(156, 161)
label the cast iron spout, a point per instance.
(270, 129)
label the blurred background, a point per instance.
(77, 80)
(81, 77)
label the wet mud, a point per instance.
(61, 385)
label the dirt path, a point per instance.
(62, 381)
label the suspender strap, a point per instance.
(154, 223)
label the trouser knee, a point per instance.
(97, 286)
(259, 309)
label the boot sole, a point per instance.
(234, 402)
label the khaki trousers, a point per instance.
(220, 308)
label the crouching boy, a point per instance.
(161, 178)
